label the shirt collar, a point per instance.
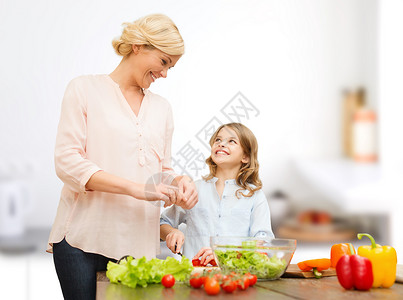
(212, 180)
(229, 181)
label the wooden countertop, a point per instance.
(284, 288)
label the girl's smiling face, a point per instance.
(151, 64)
(226, 150)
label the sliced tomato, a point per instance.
(213, 263)
(196, 263)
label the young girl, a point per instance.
(231, 202)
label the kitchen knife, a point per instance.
(178, 252)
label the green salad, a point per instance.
(141, 272)
(254, 262)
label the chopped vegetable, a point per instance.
(213, 263)
(133, 272)
(249, 244)
(383, 259)
(316, 265)
(196, 262)
(254, 262)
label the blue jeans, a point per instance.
(77, 271)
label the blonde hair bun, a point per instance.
(155, 31)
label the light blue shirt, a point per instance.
(212, 216)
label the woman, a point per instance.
(113, 136)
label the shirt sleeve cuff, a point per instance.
(164, 222)
(87, 177)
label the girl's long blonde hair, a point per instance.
(152, 31)
(248, 174)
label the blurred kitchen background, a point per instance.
(318, 82)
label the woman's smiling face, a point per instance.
(151, 64)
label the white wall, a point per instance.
(391, 107)
(291, 59)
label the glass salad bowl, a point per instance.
(267, 258)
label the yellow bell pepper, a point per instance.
(383, 259)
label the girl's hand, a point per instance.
(175, 240)
(187, 195)
(206, 255)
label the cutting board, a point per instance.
(399, 273)
(294, 272)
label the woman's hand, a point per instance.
(175, 240)
(166, 193)
(206, 255)
(187, 195)
(163, 192)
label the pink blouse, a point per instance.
(99, 131)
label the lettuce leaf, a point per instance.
(254, 262)
(141, 272)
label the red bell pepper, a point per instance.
(354, 271)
